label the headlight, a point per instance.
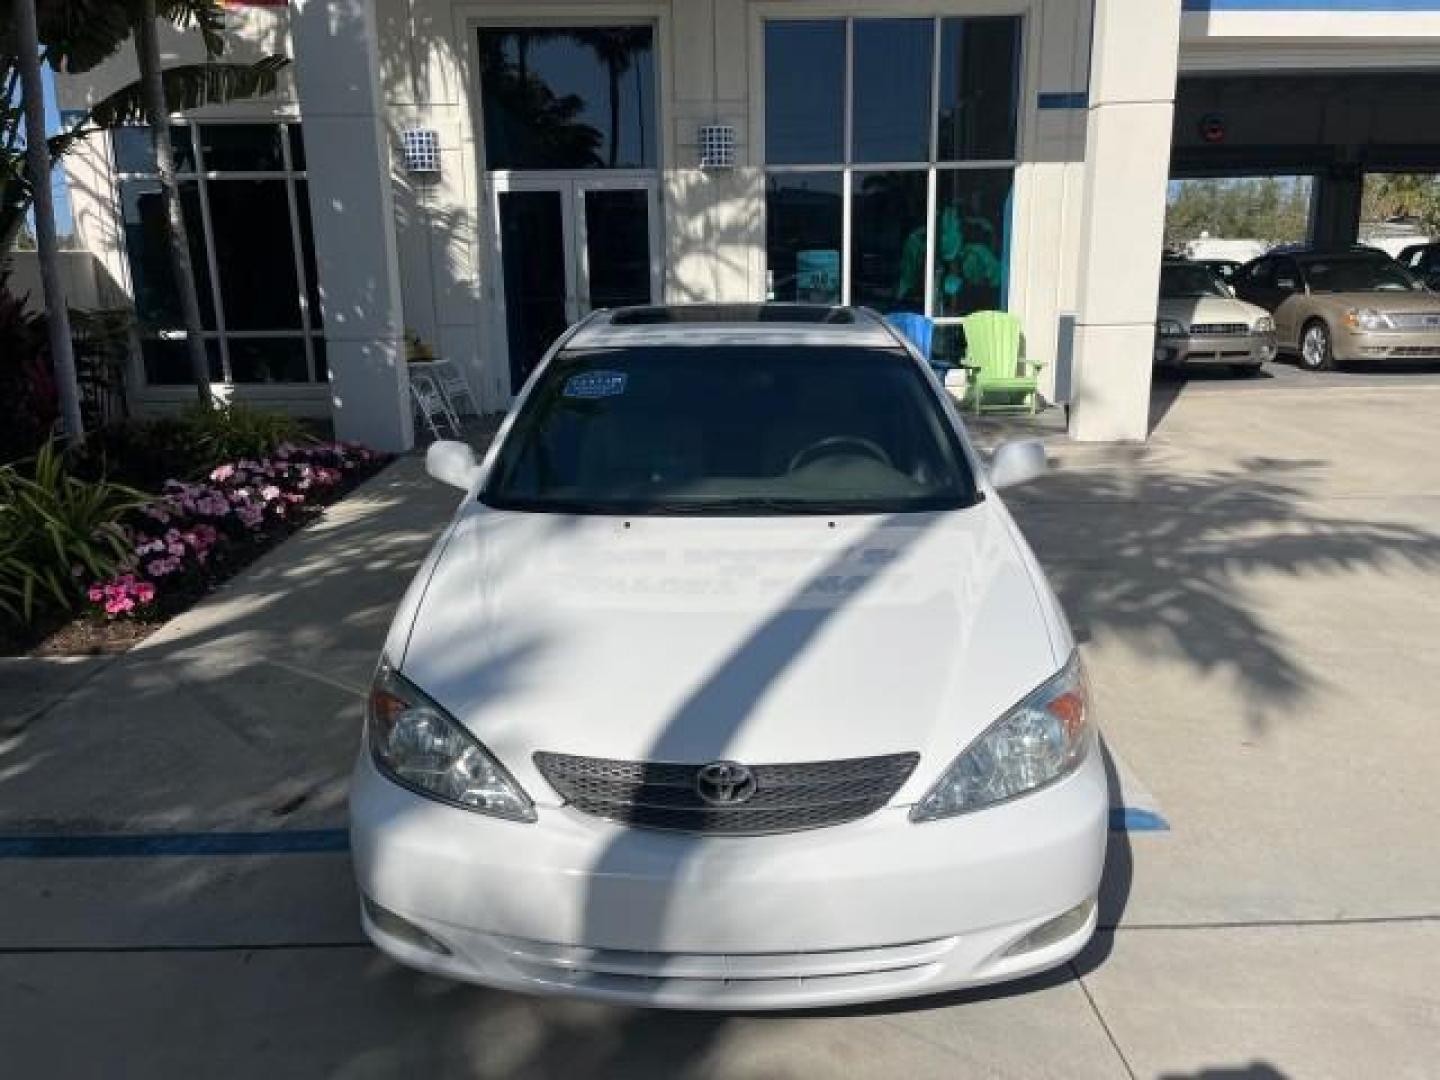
(419, 746)
(1170, 328)
(1263, 325)
(1367, 319)
(1040, 740)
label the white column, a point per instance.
(1134, 53)
(348, 158)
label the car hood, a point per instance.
(763, 640)
(1380, 301)
(1209, 309)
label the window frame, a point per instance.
(311, 324)
(846, 168)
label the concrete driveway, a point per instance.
(1257, 592)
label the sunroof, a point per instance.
(732, 313)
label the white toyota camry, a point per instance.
(731, 684)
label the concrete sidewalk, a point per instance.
(1255, 592)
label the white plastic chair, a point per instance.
(456, 388)
(431, 405)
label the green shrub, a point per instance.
(57, 534)
(146, 453)
(236, 432)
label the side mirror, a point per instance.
(452, 462)
(1017, 462)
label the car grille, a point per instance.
(1218, 329)
(1413, 352)
(1414, 320)
(787, 798)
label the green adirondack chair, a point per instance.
(992, 358)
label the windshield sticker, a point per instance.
(596, 384)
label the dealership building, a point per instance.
(482, 173)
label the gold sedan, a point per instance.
(1343, 307)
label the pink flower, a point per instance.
(145, 592)
(96, 594)
(222, 472)
(270, 493)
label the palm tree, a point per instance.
(147, 58)
(76, 36)
(616, 48)
(26, 48)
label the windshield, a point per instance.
(731, 430)
(1185, 281)
(1358, 275)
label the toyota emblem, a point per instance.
(724, 783)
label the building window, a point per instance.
(247, 213)
(568, 97)
(890, 150)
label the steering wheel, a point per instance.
(832, 443)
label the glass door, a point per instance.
(537, 270)
(570, 245)
(619, 265)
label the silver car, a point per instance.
(1199, 323)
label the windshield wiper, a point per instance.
(803, 507)
(554, 506)
(759, 504)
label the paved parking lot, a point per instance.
(1255, 591)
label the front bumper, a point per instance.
(1357, 346)
(1207, 349)
(879, 908)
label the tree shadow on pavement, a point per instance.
(1166, 560)
(1257, 1070)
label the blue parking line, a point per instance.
(1130, 819)
(303, 841)
(153, 845)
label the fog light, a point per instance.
(387, 922)
(1057, 929)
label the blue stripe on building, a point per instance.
(1311, 5)
(1077, 99)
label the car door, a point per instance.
(1288, 306)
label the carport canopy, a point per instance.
(1333, 126)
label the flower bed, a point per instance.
(180, 545)
(196, 534)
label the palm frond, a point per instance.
(205, 16)
(190, 86)
(78, 35)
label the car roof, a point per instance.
(735, 324)
(1306, 252)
